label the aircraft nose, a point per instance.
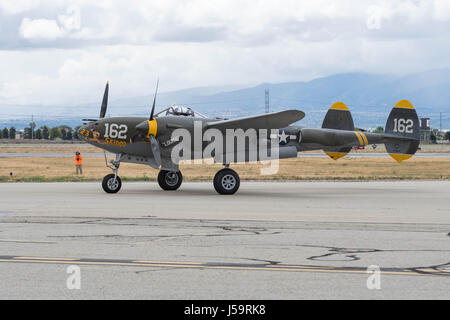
(80, 132)
(143, 126)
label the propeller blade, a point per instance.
(154, 100)
(155, 149)
(105, 101)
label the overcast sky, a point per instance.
(58, 51)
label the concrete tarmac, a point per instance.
(271, 240)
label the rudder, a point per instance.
(402, 131)
(338, 117)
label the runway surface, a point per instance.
(272, 240)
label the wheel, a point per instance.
(170, 180)
(226, 181)
(111, 183)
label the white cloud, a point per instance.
(82, 43)
(17, 6)
(40, 29)
(48, 29)
(71, 20)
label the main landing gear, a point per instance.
(226, 181)
(169, 180)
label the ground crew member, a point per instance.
(78, 162)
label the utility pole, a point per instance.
(267, 100)
(32, 127)
(440, 121)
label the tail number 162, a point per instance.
(113, 130)
(403, 126)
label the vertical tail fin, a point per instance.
(338, 117)
(403, 123)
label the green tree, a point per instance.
(69, 135)
(27, 133)
(12, 133)
(75, 135)
(63, 133)
(432, 137)
(45, 132)
(55, 133)
(5, 133)
(38, 134)
(379, 129)
(32, 126)
(447, 135)
(67, 128)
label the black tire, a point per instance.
(169, 180)
(226, 181)
(111, 186)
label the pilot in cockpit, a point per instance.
(181, 111)
(176, 110)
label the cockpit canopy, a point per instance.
(183, 111)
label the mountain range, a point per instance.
(369, 97)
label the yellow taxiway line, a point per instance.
(230, 266)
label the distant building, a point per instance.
(425, 129)
(19, 134)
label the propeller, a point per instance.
(149, 128)
(155, 149)
(104, 102)
(154, 100)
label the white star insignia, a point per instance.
(283, 137)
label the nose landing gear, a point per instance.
(111, 182)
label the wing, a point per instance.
(274, 120)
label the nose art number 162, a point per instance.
(115, 131)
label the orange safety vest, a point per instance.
(78, 160)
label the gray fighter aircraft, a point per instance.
(153, 140)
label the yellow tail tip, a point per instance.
(339, 106)
(399, 157)
(336, 155)
(404, 104)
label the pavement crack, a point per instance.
(349, 253)
(255, 230)
(156, 269)
(439, 270)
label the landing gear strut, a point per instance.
(170, 180)
(111, 182)
(226, 181)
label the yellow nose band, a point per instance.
(152, 128)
